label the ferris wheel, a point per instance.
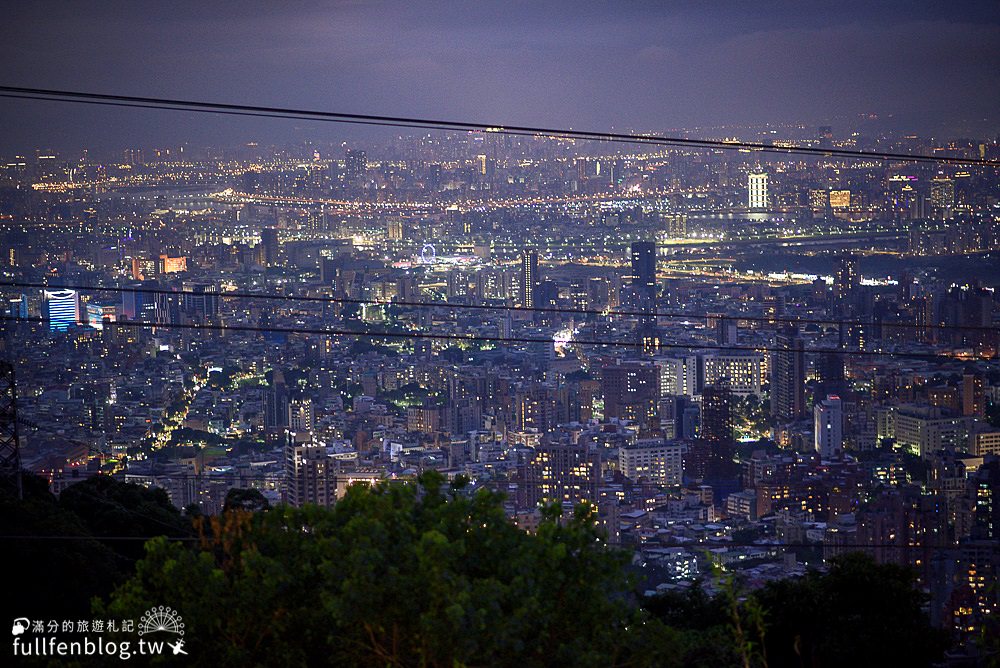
(427, 254)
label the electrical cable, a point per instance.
(488, 307)
(371, 119)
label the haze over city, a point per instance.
(641, 334)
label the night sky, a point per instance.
(928, 67)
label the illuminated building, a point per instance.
(62, 309)
(300, 415)
(559, 473)
(678, 376)
(818, 199)
(742, 372)
(631, 392)
(355, 165)
(269, 242)
(17, 307)
(310, 474)
(655, 460)
(529, 277)
(973, 395)
(97, 314)
(942, 196)
(644, 267)
(788, 377)
(143, 268)
(757, 191)
(171, 265)
(675, 225)
(840, 199)
(828, 427)
(847, 279)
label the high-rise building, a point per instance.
(559, 473)
(726, 330)
(301, 418)
(529, 277)
(788, 377)
(718, 439)
(632, 392)
(742, 372)
(644, 266)
(757, 191)
(310, 475)
(355, 164)
(973, 395)
(269, 240)
(678, 376)
(942, 196)
(674, 225)
(62, 309)
(846, 280)
(17, 307)
(201, 300)
(275, 405)
(98, 314)
(828, 427)
(654, 459)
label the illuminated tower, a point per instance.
(757, 189)
(62, 308)
(529, 277)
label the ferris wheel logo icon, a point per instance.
(161, 618)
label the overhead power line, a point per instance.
(850, 546)
(139, 324)
(437, 124)
(487, 307)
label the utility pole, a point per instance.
(10, 452)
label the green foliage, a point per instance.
(109, 507)
(399, 575)
(55, 566)
(189, 435)
(248, 500)
(703, 623)
(860, 613)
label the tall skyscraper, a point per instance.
(201, 299)
(828, 427)
(942, 196)
(62, 309)
(529, 277)
(717, 438)
(17, 307)
(788, 377)
(275, 406)
(846, 280)
(269, 240)
(355, 164)
(973, 395)
(310, 475)
(644, 266)
(757, 191)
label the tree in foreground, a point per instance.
(398, 575)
